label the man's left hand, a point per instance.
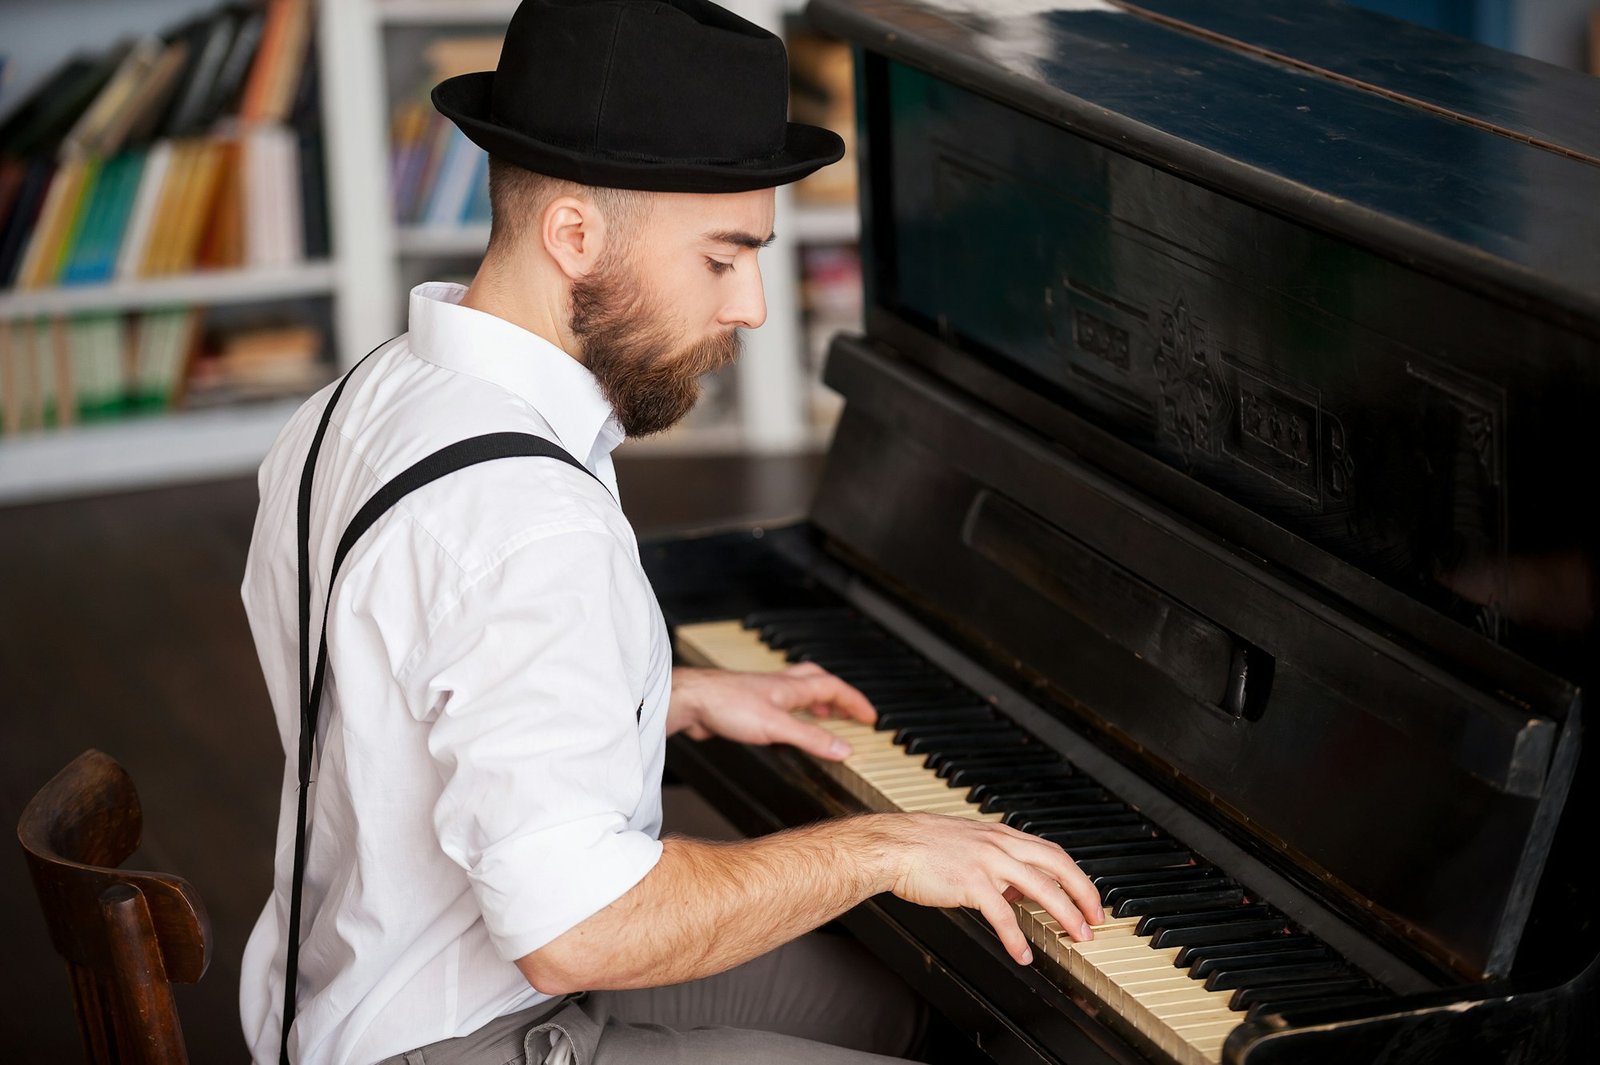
(757, 707)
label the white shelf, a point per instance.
(211, 287)
(442, 240)
(139, 451)
(826, 223)
(444, 12)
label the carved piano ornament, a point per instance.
(1211, 496)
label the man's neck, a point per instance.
(524, 298)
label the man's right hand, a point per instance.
(954, 861)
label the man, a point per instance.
(483, 880)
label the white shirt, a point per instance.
(488, 763)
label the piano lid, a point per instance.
(1334, 295)
(1142, 294)
(1438, 151)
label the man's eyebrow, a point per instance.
(741, 238)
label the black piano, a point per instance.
(1210, 496)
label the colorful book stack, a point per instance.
(438, 178)
(167, 155)
(58, 372)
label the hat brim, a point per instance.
(464, 99)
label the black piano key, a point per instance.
(1069, 789)
(945, 764)
(864, 662)
(846, 645)
(1355, 998)
(1060, 829)
(932, 737)
(969, 778)
(1264, 928)
(861, 675)
(1060, 814)
(1128, 849)
(1186, 874)
(895, 720)
(1192, 953)
(760, 619)
(981, 742)
(1085, 837)
(1176, 902)
(952, 699)
(981, 748)
(1264, 959)
(1287, 974)
(1200, 886)
(1157, 923)
(1303, 993)
(778, 632)
(1167, 857)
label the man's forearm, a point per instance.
(707, 907)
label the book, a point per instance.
(477, 211)
(305, 118)
(281, 89)
(132, 125)
(55, 216)
(37, 178)
(452, 187)
(162, 346)
(209, 40)
(101, 265)
(60, 103)
(270, 54)
(273, 224)
(196, 208)
(222, 243)
(228, 88)
(87, 133)
(160, 252)
(10, 383)
(130, 256)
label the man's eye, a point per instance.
(717, 266)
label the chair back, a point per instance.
(126, 936)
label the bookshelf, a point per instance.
(371, 263)
(155, 447)
(770, 411)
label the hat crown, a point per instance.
(667, 80)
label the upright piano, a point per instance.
(1211, 497)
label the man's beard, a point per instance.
(628, 343)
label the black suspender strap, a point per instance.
(446, 460)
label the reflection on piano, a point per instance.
(1209, 499)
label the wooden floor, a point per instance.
(121, 628)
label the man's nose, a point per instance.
(748, 307)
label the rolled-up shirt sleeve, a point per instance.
(533, 680)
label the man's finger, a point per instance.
(829, 689)
(1003, 919)
(1058, 865)
(813, 739)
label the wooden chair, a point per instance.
(126, 936)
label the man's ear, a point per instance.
(574, 235)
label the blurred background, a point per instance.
(207, 210)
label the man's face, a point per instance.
(655, 317)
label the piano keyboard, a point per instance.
(1184, 950)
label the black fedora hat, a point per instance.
(660, 95)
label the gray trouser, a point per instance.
(820, 1000)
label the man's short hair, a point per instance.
(517, 197)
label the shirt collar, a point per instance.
(556, 385)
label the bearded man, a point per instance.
(469, 866)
